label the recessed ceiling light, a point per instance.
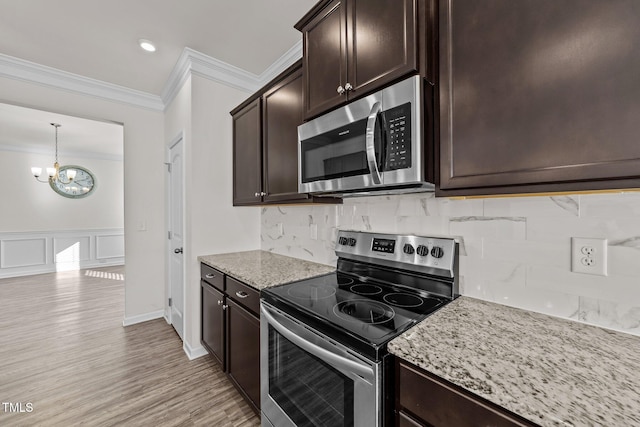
(147, 45)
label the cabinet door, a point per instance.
(281, 117)
(381, 36)
(243, 350)
(212, 327)
(325, 59)
(436, 403)
(247, 154)
(539, 96)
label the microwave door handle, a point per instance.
(338, 361)
(370, 140)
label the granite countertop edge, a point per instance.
(262, 269)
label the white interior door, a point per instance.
(176, 242)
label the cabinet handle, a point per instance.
(241, 294)
(341, 90)
(209, 276)
(348, 87)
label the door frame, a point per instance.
(168, 249)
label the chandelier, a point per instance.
(54, 172)
(68, 181)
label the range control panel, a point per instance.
(435, 255)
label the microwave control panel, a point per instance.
(398, 125)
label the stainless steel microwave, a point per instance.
(374, 144)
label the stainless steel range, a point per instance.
(324, 359)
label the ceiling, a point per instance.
(99, 40)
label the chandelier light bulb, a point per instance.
(51, 172)
(36, 171)
(71, 174)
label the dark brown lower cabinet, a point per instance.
(423, 399)
(213, 321)
(243, 335)
(230, 330)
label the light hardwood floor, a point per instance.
(64, 351)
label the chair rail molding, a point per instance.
(37, 252)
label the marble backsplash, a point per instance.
(514, 251)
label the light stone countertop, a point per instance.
(552, 371)
(262, 269)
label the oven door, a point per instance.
(310, 380)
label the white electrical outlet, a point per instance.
(589, 256)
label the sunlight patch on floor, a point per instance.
(104, 275)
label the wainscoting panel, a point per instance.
(110, 246)
(27, 253)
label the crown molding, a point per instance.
(282, 63)
(190, 62)
(63, 153)
(19, 69)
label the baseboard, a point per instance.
(128, 321)
(194, 353)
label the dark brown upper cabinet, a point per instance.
(247, 153)
(281, 117)
(353, 47)
(539, 96)
(265, 144)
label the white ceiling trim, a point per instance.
(190, 61)
(19, 69)
(61, 153)
(194, 62)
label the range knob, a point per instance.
(437, 252)
(342, 241)
(351, 241)
(408, 249)
(422, 250)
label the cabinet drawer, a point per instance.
(212, 276)
(437, 403)
(243, 294)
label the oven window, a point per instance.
(308, 390)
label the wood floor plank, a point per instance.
(63, 349)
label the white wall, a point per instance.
(34, 206)
(514, 251)
(212, 225)
(144, 184)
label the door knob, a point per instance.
(177, 251)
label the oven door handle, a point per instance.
(370, 143)
(343, 364)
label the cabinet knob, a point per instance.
(348, 87)
(262, 193)
(209, 276)
(219, 302)
(257, 194)
(341, 90)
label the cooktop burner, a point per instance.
(366, 289)
(404, 300)
(371, 312)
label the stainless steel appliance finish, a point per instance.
(372, 144)
(364, 375)
(323, 354)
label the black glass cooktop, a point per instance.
(367, 313)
